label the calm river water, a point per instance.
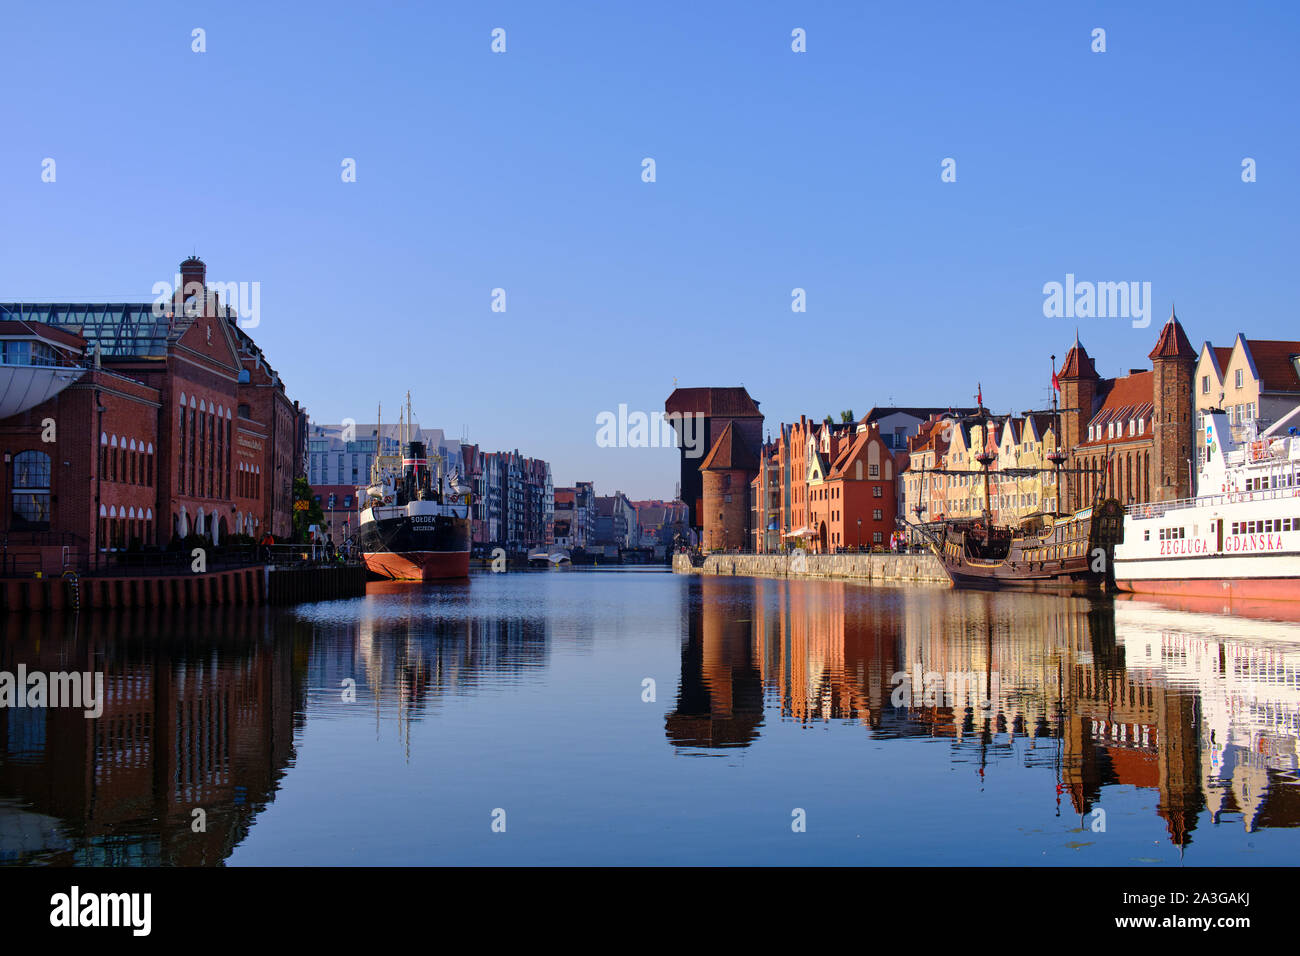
(642, 717)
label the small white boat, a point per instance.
(555, 557)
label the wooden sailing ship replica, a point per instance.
(1044, 551)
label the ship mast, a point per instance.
(985, 458)
(1056, 456)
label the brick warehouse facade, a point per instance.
(175, 424)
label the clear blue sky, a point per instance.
(775, 170)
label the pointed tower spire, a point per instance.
(1173, 342)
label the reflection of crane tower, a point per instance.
(720, 699)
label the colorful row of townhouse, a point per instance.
(870, 483)
(1130, 437)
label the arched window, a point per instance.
(221, 453)
(31, 491)
(180, 456)
(189, 483)
(230, 446)
(201, 487)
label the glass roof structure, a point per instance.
(124, 330)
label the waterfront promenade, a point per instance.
(875, 568)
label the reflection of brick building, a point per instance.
(720, 699)
(176, 733)
(177, 425)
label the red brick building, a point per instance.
(727, 473)
(855, 504)
(174, 424)
(712, 410)
(1137, 428)
(338, 503)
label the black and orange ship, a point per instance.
(414, 523)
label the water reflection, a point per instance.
(526, 690)
(1203, 710)
(408, 647)
(199, 714)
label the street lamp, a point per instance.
(859, 534)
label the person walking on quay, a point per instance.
(267, 540)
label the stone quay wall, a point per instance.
(872, 568)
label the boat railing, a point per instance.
(1155, 509)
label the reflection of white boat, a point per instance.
(555, 557)
(1246, 675)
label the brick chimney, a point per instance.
(194, 276)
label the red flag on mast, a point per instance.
(1056, 382)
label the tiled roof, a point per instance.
(878, 413)
(1221, 356)
(730, 451)
(1273, 362)
(1077, 364)
(719, 402)
(1130, 397)
(851, 453)
(1042, 422)
(1173, 342)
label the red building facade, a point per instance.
(175, 424)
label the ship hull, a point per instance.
(967, 574)
(1246, 589)
(1073, 555)
(1219, 546)
(418, 565)
(418, 542)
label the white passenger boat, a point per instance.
(1238, 538)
